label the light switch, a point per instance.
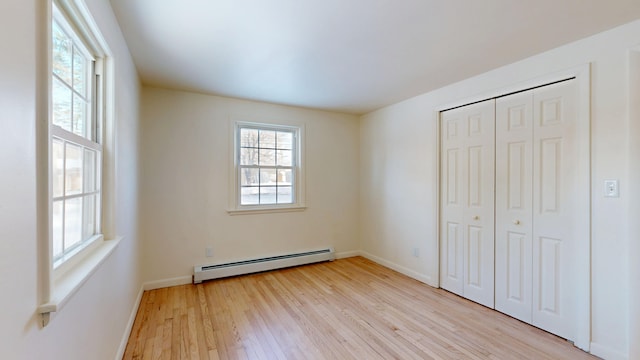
(611, 188)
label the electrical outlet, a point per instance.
(208, 251)
(416, 252)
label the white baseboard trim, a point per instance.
(159, 284)
(348, 254)
(607, 352)
(127, 330)
(401, 269)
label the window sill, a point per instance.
(71, 281)
(266, 210)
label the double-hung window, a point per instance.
(268, 167)
(76, 149)
(77, 190)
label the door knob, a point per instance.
(517, 222)
(476, 217)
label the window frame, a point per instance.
(297, 192)
(58, 284)
(91, 140)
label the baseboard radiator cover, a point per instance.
(216, 271)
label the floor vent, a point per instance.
(208, 272)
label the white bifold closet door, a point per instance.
(535, 194)
(467, 212)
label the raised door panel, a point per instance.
(452, 258)
(514, 137)
(517, 270)
(453, 177)
(555, 117)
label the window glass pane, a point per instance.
(61, 103)
(267, 177)
(284, 195)
(249, 177)
(57, 228)
(267, 157)
(80, 117)
(98, 172)
(73, 169)
(268, 195)
(250, 195)
(72, 222)
(62, 50)
(79, 72)
(285, 177)
(57, 167)
(98, 202)
(248, 138)
(267, 139)
(248, 156)
(89, 217)
(89, 170)
(285, 140)
(283, 158)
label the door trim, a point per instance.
(582, 76)
(634, 200)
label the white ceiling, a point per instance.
(346, 55)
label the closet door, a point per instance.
(467, 201)
(514, 218)
(554, 175)
(536, 151)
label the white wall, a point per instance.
(92, 324)
(185, 172)
(399, 162)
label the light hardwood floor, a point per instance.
(346, 309)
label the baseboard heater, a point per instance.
(208, 272)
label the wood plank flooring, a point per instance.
(345, 309)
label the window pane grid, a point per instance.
(71, 109)
(266, 166)
(76, 195)
(266, 185)
(71, 84)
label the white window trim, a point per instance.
(299, 203)
(60, 284)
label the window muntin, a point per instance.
(76, 152)
(71, 82)
(267, 164)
